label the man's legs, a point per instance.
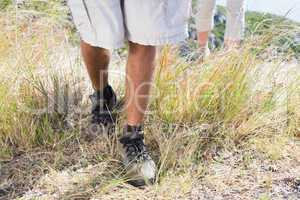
(203, 39)
(139, 71)
(205, 24)
(103, 99)
(235, 23)
(96, 60)
(147, 27)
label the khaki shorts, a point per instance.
(108, 23)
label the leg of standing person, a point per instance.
(139, 70)
(235, 23)
(98, 37)
(149, 24)
(205, 23)
(96, 60)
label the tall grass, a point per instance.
(219, 92)
(30, 52)
(221, 104)
(237, 98)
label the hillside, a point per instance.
(226, 128)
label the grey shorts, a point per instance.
(108, 23)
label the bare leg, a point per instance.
(235, 23)
(205, 25)
(204, 20)
(96, 60)
(139, 70)
(203, 39)
(203, 45)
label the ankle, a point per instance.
(203, 46)
(133, 128)
(106, 92)
(132, 133)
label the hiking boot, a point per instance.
(140, 168)
(103, 103)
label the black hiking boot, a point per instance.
(140, 168)
(103, 103)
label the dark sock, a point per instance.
(132, 129)
(132, 133)
(107, 93)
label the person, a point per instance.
(103, 26)
(234, 24)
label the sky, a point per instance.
(279, 7)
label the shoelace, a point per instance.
(100, 110)
(135, 148)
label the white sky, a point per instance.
(279, 7)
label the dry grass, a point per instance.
(210, 126)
